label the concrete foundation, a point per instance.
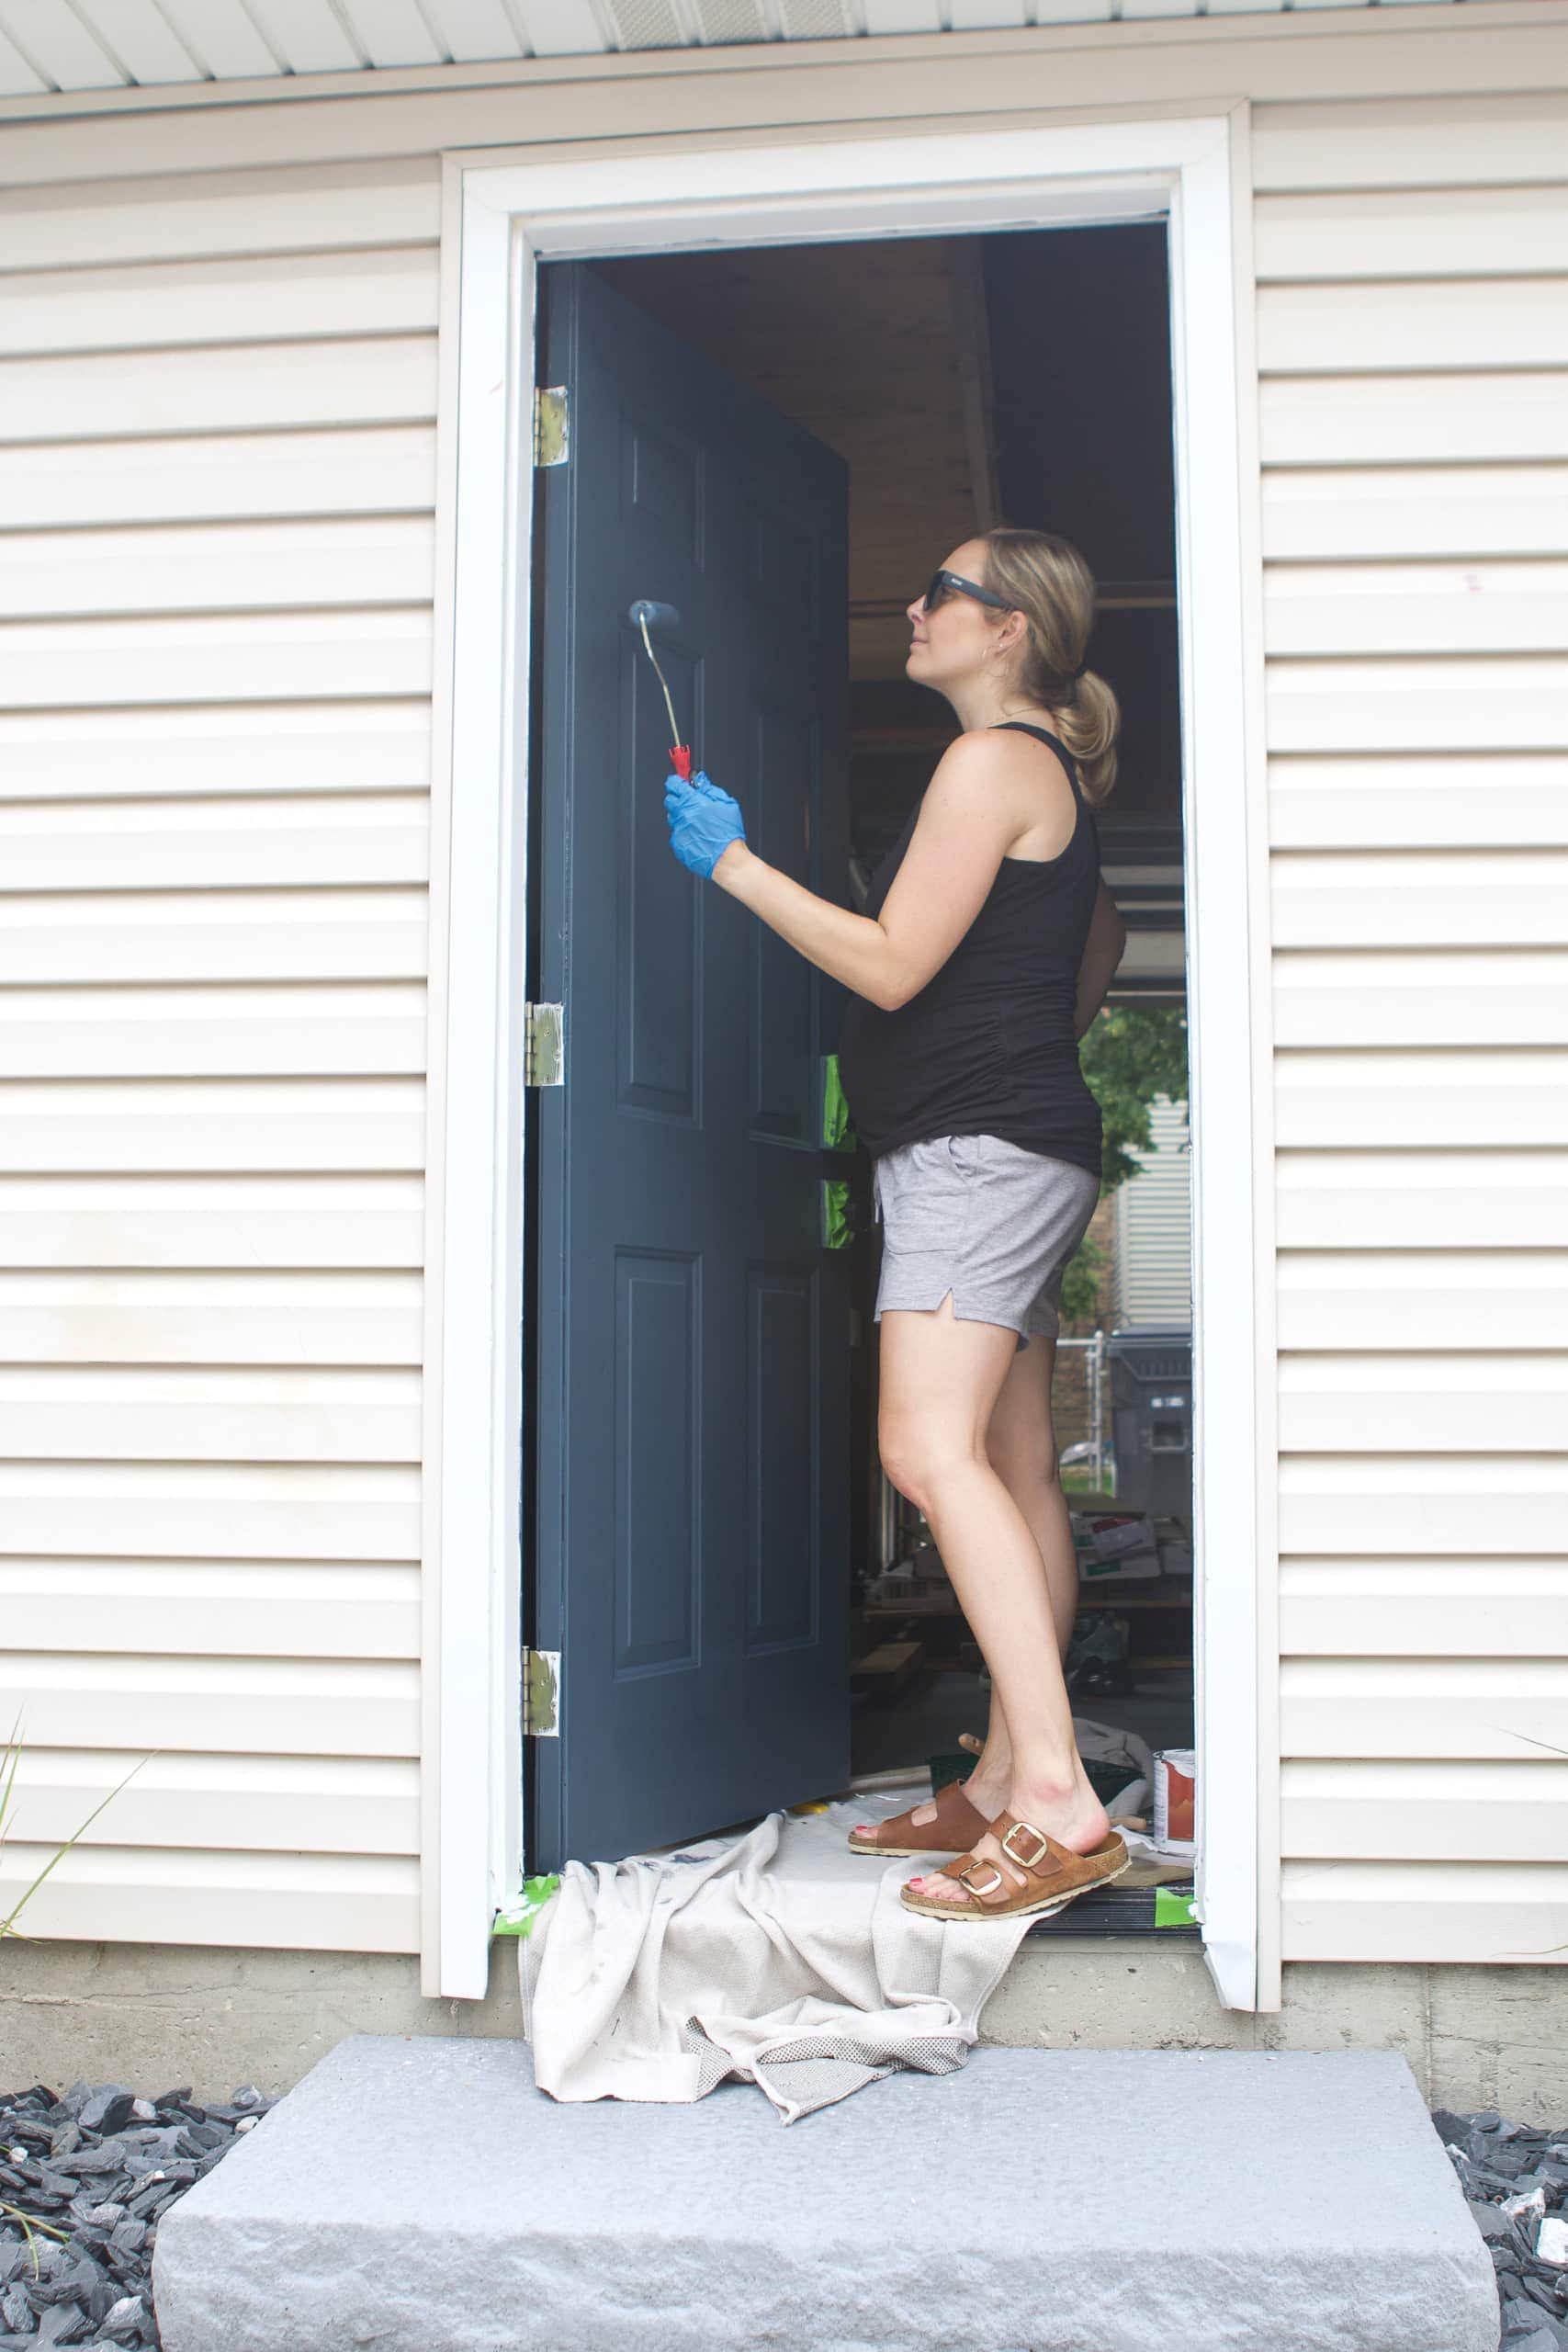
(1473, 2037)
(158, 2016)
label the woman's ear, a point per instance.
(1011, 631)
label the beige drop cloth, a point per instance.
(777, 1956)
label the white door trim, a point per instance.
(503, 216)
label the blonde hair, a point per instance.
(1046, 580)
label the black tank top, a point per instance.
(986, 1047)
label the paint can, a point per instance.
(1176, 1799)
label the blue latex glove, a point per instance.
(704, 821)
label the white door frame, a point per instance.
(505, 214)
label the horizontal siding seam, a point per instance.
(31, 274)
(87, 356)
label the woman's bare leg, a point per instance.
(940, 1380)
(1020, 1443)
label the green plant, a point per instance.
(1131, 1056)
(30, 2225)
(10, 1758)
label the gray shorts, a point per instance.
(992, 1223)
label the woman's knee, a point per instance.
(903, 1462)
(915, 1454)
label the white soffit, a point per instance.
(48, 45)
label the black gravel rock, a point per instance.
(1513, 2176)
(84, 2175)
(1530, 2331)
(107, 2111)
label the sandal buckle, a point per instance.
(967, 1878)
(1026, 1861)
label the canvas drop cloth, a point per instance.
(778, 1956)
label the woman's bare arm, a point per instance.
(1102, 952)
(982, 799)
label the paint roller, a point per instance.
(646, 614)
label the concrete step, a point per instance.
(420, 2196)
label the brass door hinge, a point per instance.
(552, 425)
(544, 1044)
(541, 1694)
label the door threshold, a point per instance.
(1164, 1913)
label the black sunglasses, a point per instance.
(944, 584)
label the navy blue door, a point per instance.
(689, 1331)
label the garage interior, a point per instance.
(1022, 377)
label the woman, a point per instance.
(985, 949)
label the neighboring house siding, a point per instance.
(217, 453)
(219, 401)
(1414, 348)
(1154, 1227)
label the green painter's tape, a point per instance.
(838, 1134)
(837, 1232)
(518, 1918)
(1173, 1907)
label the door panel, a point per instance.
(689, 1347)
(658, 917)
(783, 1456)
(657, 1369)
(784, 753)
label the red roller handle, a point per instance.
(681, 760)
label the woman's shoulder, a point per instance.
(979, 767)
(970, 787)
(1034, 744)
(1002, 750)
(1040, 790)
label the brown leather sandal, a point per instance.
(956, 1826)
(1053, 1876)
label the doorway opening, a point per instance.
(1021, 376)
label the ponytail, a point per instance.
(1046, 580)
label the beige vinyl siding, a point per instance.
(217, 479)
(1154, 1227)
(1414, 406)
(217, 405)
